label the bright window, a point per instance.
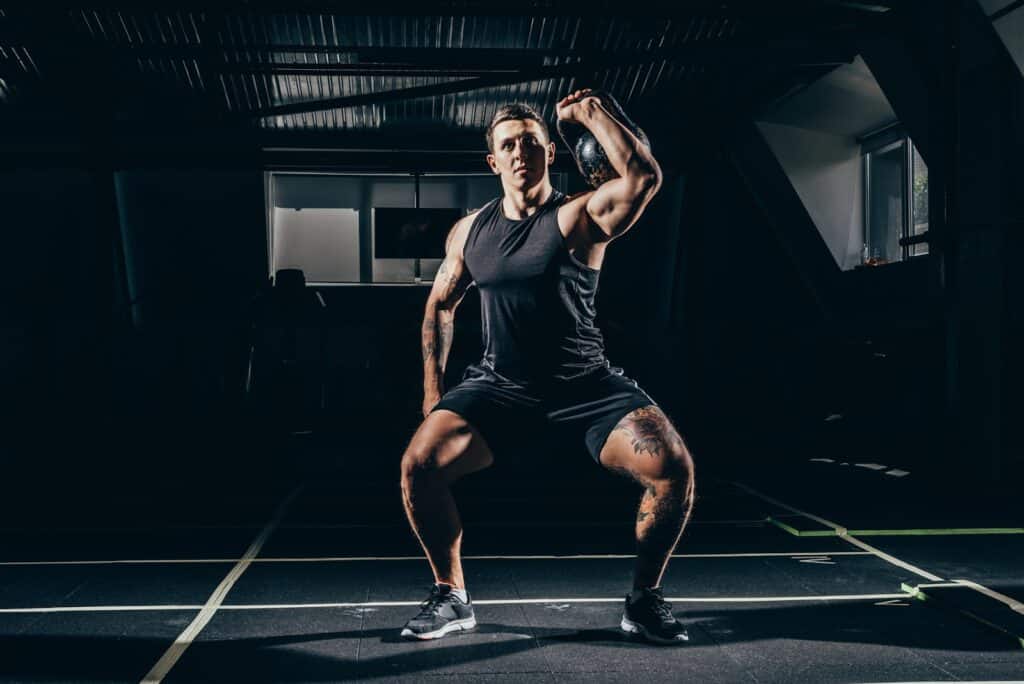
(896, 202)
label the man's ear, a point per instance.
(490, 162)
(551, 153)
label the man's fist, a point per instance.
(569, 106)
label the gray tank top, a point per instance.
(536, 299)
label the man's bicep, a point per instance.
(616, 205)
(574, 219)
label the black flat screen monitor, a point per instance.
(402, 233)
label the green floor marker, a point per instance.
(937, 532)
(802, 533)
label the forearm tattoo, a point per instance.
(429, 338)
(438, 334)
(447, 334)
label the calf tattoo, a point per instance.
(667, 500)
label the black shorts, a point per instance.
(508, 415)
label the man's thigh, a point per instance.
(586, 410)
(445, 441)
(505, 415)
(647, 447)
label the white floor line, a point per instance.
(483, 602)
(96, 609)
(353, 559)
(337, 526)
(120, 561)
(567, 599)
(184, 640)
(1013, 604)
(595, 556)
(123, 530)
(509, 524)
(843, 534)
(932, 585)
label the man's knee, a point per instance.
(675, 463)
(669, 460)
(682, 461)
(419, 460)
(449, 458)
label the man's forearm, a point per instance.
(438, 332)
(627, 155)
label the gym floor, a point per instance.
(854, 579)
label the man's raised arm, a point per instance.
(450, 285)
(618, 203)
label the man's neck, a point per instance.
(519, 204)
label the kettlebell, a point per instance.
(591, 159)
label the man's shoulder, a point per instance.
(460, 231)
(466, 222)
(576, 202)
(574, 220)
(579, 198)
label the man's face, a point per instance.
(521, 153)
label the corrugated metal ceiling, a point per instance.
(256, 69)
(252, 63)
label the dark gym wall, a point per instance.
(976, 125)
(990, 177)
(54, 312)
(748, 325)
(195, 255)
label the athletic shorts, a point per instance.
(510, 416)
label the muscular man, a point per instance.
(535, 256)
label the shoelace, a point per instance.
(432, 602)
(662, 607)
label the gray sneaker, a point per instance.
(442, 613)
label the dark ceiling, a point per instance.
(424, 74)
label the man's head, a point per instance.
(519, 147)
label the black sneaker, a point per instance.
(442, 613)
(650, 615)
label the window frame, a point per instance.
(881, 141)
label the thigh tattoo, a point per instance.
(650, 431)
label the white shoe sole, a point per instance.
(463, 625)
(631, 627)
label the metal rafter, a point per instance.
(226, 65)
(572, 69)
(830, 10)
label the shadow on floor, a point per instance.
(278, 658)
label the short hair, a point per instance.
(514, 111)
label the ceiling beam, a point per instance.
(446, 88)
(573, 69)
(733, 49)
(782, 9)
